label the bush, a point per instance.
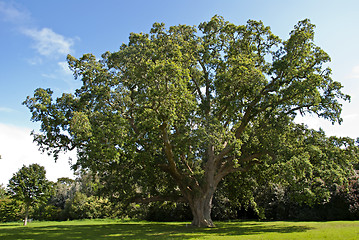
(47, 213)
(11, 210)
(84, 207)
(279, 204)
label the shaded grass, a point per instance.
(123, 229)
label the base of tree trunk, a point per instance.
(201, 210)
(203, 223)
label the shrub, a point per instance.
(11, 210)
(82, 207)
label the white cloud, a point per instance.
(48, 43)
(17, 149)
(348, 128)
(14, 14)
(35, 60)
(355, 72)
(5, 109)
(50, 76)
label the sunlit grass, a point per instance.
(123, 229)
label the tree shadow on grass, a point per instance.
(142, 231)
(11, 225)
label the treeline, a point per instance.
(83, 198)
(277, 202)
(68, 199)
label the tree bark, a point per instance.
(201, 207)
(26, 214)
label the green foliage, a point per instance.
(352, 197)
(64, 189)
(279, 203)
(83, 207)
(47, 212)
(30, 186)
(2, 192)
(305, 174)
(11, 210)
(76, 199)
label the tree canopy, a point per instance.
(30, 186)
(175, 111)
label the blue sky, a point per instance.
(36, 36)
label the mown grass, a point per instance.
(122, 229)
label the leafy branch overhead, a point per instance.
(176, 110)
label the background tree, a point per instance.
(64, 189)
(2, 192)
(173, 112)
(303, 180)
(30, 186)
(10, 209)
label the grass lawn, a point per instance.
(123, 229)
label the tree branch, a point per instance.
(184, 161)
(168, 150)
(229, 166)
(198, 90)
(208, 98)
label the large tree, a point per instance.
(30, 186)
(173, 112)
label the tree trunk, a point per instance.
(201, 210)
(26, 214)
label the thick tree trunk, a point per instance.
(201, 210)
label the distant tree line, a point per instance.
(66, 199)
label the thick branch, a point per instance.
(171, 167)
(198, 90)
(210, 166)
(229, 166)
(167, 146)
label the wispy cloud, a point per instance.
(10, 12)
(35, 60)
(355, 72)
(5, 109)
(48, 43)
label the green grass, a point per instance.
(122, 229)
